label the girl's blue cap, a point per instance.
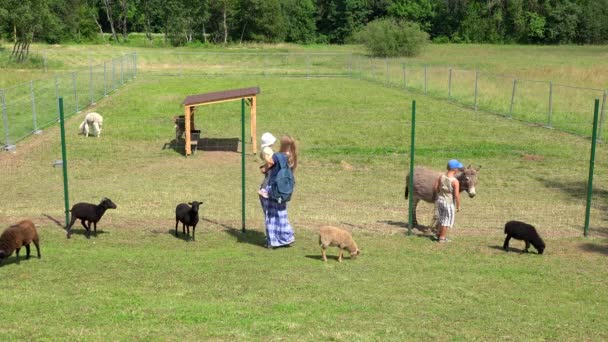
(454, 164)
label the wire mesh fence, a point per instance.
(29, 107)
(353, 137)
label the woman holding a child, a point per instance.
(279, 232)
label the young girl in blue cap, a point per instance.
(447, 189)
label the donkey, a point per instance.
(424, 181)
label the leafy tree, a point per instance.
(390, 38)
(261, 20)
(299, 20)
(27, 18)
(418, 11)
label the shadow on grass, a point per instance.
(13, 259)
(205, 144)
(578, 190)
(252, 237)
(180, 235)
(595, 248)
(84, 232)
(514, 250)
(54, 220)
(320, 257)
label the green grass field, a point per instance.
(136, 281)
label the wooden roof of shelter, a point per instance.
(219, 96)
(192, 101)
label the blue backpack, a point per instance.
(281, 185)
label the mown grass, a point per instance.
(137, 281)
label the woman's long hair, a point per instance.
(288, 146)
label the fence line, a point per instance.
(79, 89)
(553, 105)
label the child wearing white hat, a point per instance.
(266, 155)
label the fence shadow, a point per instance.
(594, 248)
(252, 237)
(54, 220)
(205, 144)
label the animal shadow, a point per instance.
(83, 231)
(180, 235)
(320, 257)
(13, 258)
(511, 249)
(252, 237)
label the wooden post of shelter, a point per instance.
(249, 94)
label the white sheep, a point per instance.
(332, 236)
(92, 119)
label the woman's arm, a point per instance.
(456, 186)
(269, 163)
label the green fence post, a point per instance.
(243, 164)
(64, 164)
(591, 165)
(410, 223)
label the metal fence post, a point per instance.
(425, 80)
(404, 76)
(550, 112)
(265, 62)
(122, 78)
(371, 67)
(307, 65)
(450, 84)
(64, 164)
(181, 72)
(243, 165)
(57, 94)
(388, 81)
(602, 114)
(410, 223)
(34, 114)
(75, 86)
(105, 81)
(512, 98)
(476, 82)
(134, 64)
(91, 101)
(350, 64)
(44, 60)
(591, 166)
(113, 74)
(7, 138)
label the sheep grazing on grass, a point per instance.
(523, 231)
(332, 236)
(91, 119)
(17, 236)
(89, 213)
(188, 216)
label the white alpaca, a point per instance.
(93, 119)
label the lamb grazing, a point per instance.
(188, 216)
(17, 236)
(332, 236)
(89, 213)
(91, 119)
(523, 231)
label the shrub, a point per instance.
(390, 38)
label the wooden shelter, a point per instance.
(193, 101)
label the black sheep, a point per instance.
(188, 216)
(89, 213)
(17, 236)
(523, 231)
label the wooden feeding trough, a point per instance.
(248, 95)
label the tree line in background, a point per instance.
(302, 21)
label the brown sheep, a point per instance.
(17, 236)
(332, 236)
